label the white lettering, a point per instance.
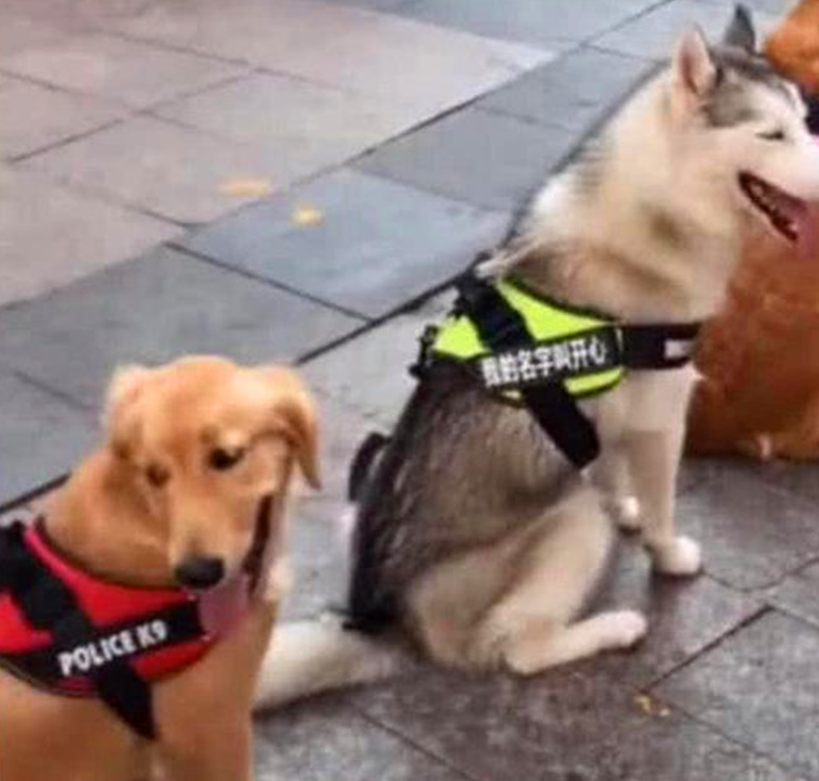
(126, 643)
(82, 659)
(66, 661)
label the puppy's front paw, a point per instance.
(680, 556)
(626, 512)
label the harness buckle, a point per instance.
(424, 359)
(478, 299)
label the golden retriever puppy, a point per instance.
(135, 613)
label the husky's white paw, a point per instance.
(623, 628)
(626, 511)
(681, 556)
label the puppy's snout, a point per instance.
(200, 572)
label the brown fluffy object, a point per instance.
(760, 357)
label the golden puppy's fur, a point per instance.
(134, 511)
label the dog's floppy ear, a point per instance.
(124, 390)
(740, 32)
(293, 415)
(692, 67)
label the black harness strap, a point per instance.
(653, 346)
(555, 409)
(361, 466)
(49, 605)
(658, 346)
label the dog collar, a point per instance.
(526, 348)
(76, 634)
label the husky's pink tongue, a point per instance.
(807, 223)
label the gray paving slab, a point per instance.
(157, 166)
(495, 728)
(488, 159)
(130, 72)
(752, 536)
(153, 309)
(326, 739)
(36, 116)
(21, 31)
(760, 688)
(386, 6)
(769, 7)
(672, 747)
(654, 33)
(571, 92)
(51, 235)
(798, 594)
(546, 22)
(369, 374)
(42, 435)
(343, 46)
(341, 431)
(311, 126)
(319, 539)
(685, 616)
(801, 479)
(317, 553)
(563, 725)
(374, 245)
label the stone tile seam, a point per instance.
(752, 618)
(416, 745)
(44, 387)
(628, 20)
(204, 54)
(203, 257)
(746, 747)
(13, 160)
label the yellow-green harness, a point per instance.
(528, 349)
(576, 347)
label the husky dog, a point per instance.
(475, 537)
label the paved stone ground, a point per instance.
(373, 146)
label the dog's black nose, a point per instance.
(200, 572)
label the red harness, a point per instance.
(78, 635)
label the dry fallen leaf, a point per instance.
(645, 703)
(307, 216)
(246, 188)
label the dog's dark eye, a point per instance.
(773, 135)
(222, 460)
(157, 476)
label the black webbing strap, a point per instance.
(658, 345)
(361, 466)
(555, 409)
(49, 605)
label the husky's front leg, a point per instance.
(654, 458)
(613, 476)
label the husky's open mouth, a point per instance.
(785, 213)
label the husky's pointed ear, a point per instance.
(693, 69)
(740, 32)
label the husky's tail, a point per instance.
(309, 657)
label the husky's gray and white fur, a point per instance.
(475, 538)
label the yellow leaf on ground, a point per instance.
(645, 703)
(246, 188)
(307, 216)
